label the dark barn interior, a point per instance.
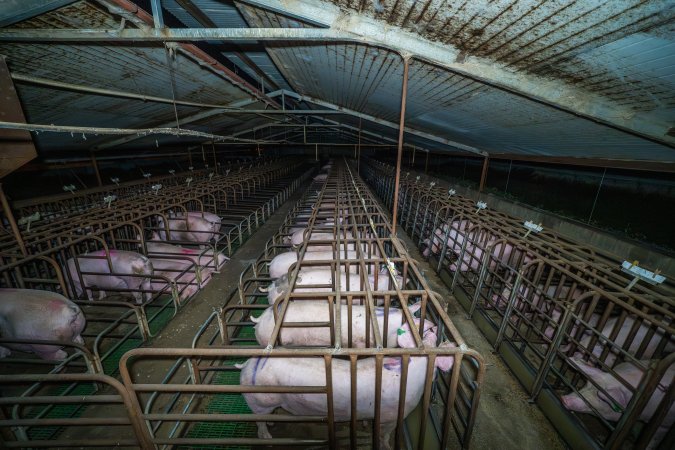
(248, 224)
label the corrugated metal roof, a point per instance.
(454, 107)
(621, 50)
(139, 69)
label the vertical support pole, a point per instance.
(215, 160)
(413, 157)
(316, 152)
(358, 157)
(483, 175)
(189, 157)
(94, 164)
(426, 163)
(157, 16)
(401, 126)
(12, 223)
(597, 194)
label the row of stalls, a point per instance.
(333, 321)
(589, 336)
(315, 327)
(129, 256)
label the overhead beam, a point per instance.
(203, 18)
(387, 123)
(172, 35)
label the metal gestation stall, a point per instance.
(50, 403)
(563, 315)
(200, 400)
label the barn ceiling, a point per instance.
(578, 79)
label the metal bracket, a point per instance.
(641, 274)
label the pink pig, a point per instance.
(611, 403)
(311, 371)
(129, 267)
(39, 315)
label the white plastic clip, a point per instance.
(451, 192)
(211, 175)
(172, 171)
(206, 166)
(147, 175)
(227, 172)
(28, 219)
(156, 188)
(481, 205)
(188, 180)
(115, 180)
(641, 274)
(532, 227)
(69, 188)
(417, 178)
(191, 168)
(109, 199)
(432, 184)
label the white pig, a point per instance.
(611, 403)
(39, 315)
(311, 371)
(282, 262)
(279, 287)
(190, 228)
(317, 311)
(182, 272)
(123, 263)
(602, 341)
(203, 258)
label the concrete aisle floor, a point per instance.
(505, 420)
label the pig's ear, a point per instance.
(415, 307)
(405, 338)
(445, 363)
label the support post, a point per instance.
(215, 160)
(189, 157)
(426, 163)
(483, 175)
(94, 164)
(413, 157)
(12, 223)
(404, 95)
(358, 157)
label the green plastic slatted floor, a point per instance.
(110, 366)
(226, 404)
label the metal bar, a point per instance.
(387, 123)
(12, 223)
(157, 16)
(95, 166)
(138, 132)
(173, 35)
(404, 96)
(483, 175)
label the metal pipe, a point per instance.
(404, 95)
(483, 175)
(95, 166)
(12, 223)
(140, 132)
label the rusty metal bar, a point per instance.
(483, 175)
(12, 223)
(404, 96)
